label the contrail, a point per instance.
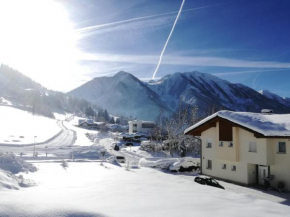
(95, 27)
(162, 52)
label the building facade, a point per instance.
(239, 153)
(138, 126)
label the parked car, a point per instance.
(116, 148)
(208, 181)
(129, 144)
(120, 159)
(185, 164)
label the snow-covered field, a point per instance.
(20, 127)
(89, 189)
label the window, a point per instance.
(231, 144)
(252, 147)
(221, 144)
(134, 125)
(224, 166)
(209, 164)
(148, 125)
(281, 147)
(208, 144)
(234, 168)
(134, 131)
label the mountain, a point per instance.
(273, 96)
(26, 94)
(125, 94)
(206, 90)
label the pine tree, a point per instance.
(112, 120)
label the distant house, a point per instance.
(87, 123)
(138, 126)
(245, 147)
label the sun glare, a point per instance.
(38, 39)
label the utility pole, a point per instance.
(46, 151)
(34, 146)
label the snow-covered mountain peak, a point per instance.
(124, 94)
(122, 73)
(274, 96)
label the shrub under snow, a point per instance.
(14, 164)
(8, 180)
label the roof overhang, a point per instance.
(212, 123)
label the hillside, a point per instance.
(20, 127)
(22, 92)
(275, 97)
(126, 95)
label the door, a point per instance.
(263, 173)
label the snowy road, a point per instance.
(107, 144)
(62, 141)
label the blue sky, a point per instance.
(242, 41)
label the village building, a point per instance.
(246, 148)
(138, 126)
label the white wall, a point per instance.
(139, 128)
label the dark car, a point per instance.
(120, 159)
(116, 148)
(129, 144)
(208, 181)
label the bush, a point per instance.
(151, 146)
(64, 164)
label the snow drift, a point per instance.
(14, 164)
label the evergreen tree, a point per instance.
(112, 120)
(106, 116)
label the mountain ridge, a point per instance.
(188, 88)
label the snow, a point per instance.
(20, 127)
(59, 116)
(5, 101)
(89, 189)
(14, 164)
(7, 181)
(159, 162)
(268, 125)
(81, 138)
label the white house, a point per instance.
(245, 147)
(138, 126)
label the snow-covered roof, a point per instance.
(143, 122)
(265, 124)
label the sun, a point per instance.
(38, 39)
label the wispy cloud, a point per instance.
(148, 78)
(185, 61)
(117, 23)
(250, 71)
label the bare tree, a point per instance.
(175, 126)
